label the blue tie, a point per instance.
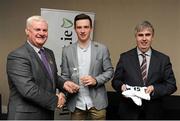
(45, 62)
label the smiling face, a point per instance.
(144, 34)
(83, 30)
(37, 32)
(144, 39)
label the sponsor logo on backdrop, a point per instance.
(67, 36)
(61, 30)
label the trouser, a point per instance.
(91, 114)
(150, 110)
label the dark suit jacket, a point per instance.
(32, 91)
(160, 73)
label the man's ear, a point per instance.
(26, 31)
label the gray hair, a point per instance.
(34, 18)
(144, 25)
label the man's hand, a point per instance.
(88, 80)
(123, 88)
(149, 89)
(61, 100)
(71, 87)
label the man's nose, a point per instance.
(144, 37)
(42, 32)
(82, 30)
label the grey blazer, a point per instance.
(101, 69)
(32, 91)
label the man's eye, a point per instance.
(148, 34)
(140, 35)
(45, 30)
(78, 27)
(37, 29)
(87, 27)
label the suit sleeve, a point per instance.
(167, 85)
(116, 81)
(20, 75)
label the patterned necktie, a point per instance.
(144, 68)
(45, 61)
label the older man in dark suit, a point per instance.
(144, 67)
(32, 76)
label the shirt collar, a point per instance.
(34, 47)
(89, 45)
(148, 53)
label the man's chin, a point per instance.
(41, 41)
(144, 50)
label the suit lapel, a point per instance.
(73, 59)
(35, 57)
(50, 61)
(136, 64)
(51, 64)
(74, 55)
(152, 65)
(94, 51)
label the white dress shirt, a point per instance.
(148, 57)
(84, 100)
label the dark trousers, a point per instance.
(149, 110)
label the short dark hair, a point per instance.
(81, 17)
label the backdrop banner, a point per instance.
(61, 30)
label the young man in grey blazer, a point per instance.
(88, 64)
(143, 66)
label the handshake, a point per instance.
(70, 87)
(136, 93)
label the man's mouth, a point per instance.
(144, 43)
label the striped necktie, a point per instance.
(144, 68)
